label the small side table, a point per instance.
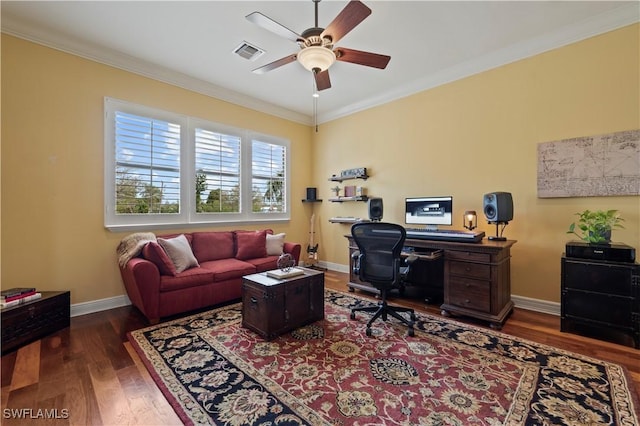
(33, 320)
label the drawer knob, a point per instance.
(254, 300)
(467, 301)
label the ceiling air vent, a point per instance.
(248, 51)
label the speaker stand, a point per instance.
(498, 236)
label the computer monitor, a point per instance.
(429, 211)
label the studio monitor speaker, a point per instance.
(375, 209)
(498, 207)
(311, 193)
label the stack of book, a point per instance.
(282, 274)
(17, 296)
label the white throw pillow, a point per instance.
(275, 244)
(179, 251)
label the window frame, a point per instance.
(188, 215)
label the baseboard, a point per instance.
(85, 308)
(536, 305)
(335, 267)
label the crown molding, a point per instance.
(86, 50)
(614, 19)
(605, 22)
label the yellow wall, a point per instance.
(466, 138)
(479, 135)
(53, 234)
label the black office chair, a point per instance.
(379, 263)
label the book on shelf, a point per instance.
(15, 292)
(280, 274)
(20, 301)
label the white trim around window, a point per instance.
(156, 160)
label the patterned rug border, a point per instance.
(613, 369)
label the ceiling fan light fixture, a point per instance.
(316, 57)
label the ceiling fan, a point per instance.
(317, 52)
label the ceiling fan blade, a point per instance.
(359, 57)
(322, 80)
(275, 64)
(353, 13)
(271, 25)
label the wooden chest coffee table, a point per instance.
(272, 307)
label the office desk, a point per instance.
(477, 277)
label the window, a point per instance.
(164, 169)
(217, 172)
(267, 177)
(147, 165)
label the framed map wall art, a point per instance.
(590, 166)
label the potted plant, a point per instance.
(596, 226)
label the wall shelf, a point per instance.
(343, 178)
(344, 219)
(358, 173)
(342, 199)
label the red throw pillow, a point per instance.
(156, 254)
(251, 245)
(212, 245)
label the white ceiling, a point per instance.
(190, 44)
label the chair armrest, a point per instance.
(357, 259)
(404, 270)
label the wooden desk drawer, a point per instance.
(471, 294)
(468, 269)
(468, 256)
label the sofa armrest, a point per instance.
(293, 249)
(142, 281)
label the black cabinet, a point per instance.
(601, 299)
(34, 320)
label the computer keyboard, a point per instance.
(445, 235)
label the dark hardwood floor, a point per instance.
(88, 374)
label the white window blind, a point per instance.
(147, 175)
(217, 172)
(164, 169)
(268, 177)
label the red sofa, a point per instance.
(223, 258)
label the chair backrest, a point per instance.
(380, 245)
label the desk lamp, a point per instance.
(470, 220)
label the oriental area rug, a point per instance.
(214, 371)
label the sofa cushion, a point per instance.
(275, 244)
(189, 278)
(264, 263)
(212, 245)
(179, 251)
(227, 269)
(251, 244)
(155, 253)
(187, 236)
